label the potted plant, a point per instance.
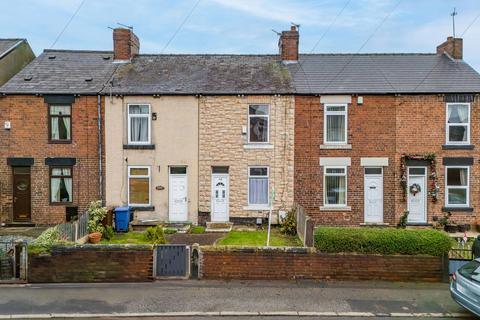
(96, 214)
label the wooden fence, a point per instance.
(76, 231)
(305, 226)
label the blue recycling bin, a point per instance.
(122, 218)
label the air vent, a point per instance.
(27, 78)
(88, 79)
(106, 57)
(51, 57)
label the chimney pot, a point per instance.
(288, 45)
(452, 46)
(126, 44)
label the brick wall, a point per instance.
(92, 263)
(384, 126)
(28, 137)
(303, 263)
(221, 143)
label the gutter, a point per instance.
(11, 48)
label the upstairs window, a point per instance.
(457, 186)
(458, 123)
(60, 123)
(139, 124)
(61, 185)
(258, 123)
(335, 124)
(335, 186)
(258, 186)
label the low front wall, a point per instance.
(306, 263)
(93, 263)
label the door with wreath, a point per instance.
(417, 194)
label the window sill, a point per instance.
(62, 204)
(457, 209)
(327, 208)
(336, 146)
(60, 142)
(256, 208)
(458, 147)
(146, 208)
(139, 146)
(419, 224)
(258, 146)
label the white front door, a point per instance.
(220, 197)
(177, 194)
(417, 194)
(373, 195)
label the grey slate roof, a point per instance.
(202, 74)
(6, 44)
(63, 72)
(382, 73)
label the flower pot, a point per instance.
(95, 237)
(451, 228)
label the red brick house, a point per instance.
(380, 134)
(50, 115)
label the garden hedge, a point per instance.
(386, 241)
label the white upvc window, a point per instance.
(458, 123)
(139, 124)
(258, 123)
(457, 186)
(335, 124)
(139, 182)
(335, 186)
(258, 183)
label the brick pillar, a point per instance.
(288, 45)
(125, 44)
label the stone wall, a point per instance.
(223, 143)
(93, 263)
(306, 263)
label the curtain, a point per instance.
(258, 191)
(463, 177)
(139, 129)
(335, 128)
(68, 188)
(66, 128)
(55, 191)
(335, 190)
(55, 133)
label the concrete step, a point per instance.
(140, 225)
(219, 227)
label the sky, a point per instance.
(245, 26)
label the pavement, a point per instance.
(190, 299)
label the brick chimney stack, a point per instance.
(288, 45)
(453, 46)
(125, 44)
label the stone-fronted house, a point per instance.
(197, 138)
(15, 54)
(377, 135)
(51, 148)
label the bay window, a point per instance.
(258, 186)
(139, 130)
(457, 186)
(61, 185)
(139, 185)
(258, 123)
(335, 186)
(335, 124)
(458, 123)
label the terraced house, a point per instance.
(197, 138)
(379, 135)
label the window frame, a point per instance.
(50, 116)
(327, 113)
(447, 125)
(149, 118)
(262, 205)
(50, 176)
(249, 116)
(325, 174)
(149, 176)
(467, 187)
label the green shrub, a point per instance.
(43, 243)
(169, 230)
(289, 224)
(155, 235)
(403, 220)
(108, 233)
(382, 241)
(197, 229)
(96, 213)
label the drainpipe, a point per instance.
(100, 149)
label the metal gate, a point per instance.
(171, 261)
(13, 261)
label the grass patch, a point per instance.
(197, 229)
(259, 239)
(385, 241)
(128, 238)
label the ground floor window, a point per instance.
(457, 186)
(335, 186)
(258, 185)
(61, 181)
(139, 186)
